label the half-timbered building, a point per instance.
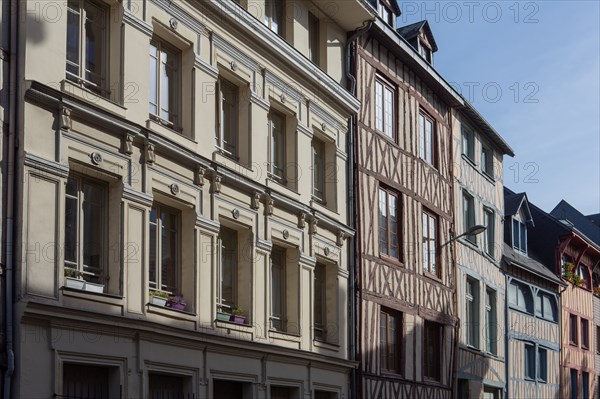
(532, 326)
(479, 200)
(406, 321)
(180, 199)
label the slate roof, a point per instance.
(411, 31)
(565, 211)
(512, 202)
(512, 257)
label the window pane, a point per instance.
(383, 223)
(93, 215)
(95, 42)
(229, 254)
(278, 144)
(383, 344)
(152, 250)
(379, 106)
(530, 361)
(153, 88)
(393, 212)
(422, 150)
(73, 18)
(168, 251)
(429, 141)
(71, 227)
(523, 237)
(425, 243)
(277, 288)
(319, 169)
(229, 116)
(389, 112)
(432, 244)
(319, 300)
(85, 382)
(516, 240)
(542, 373)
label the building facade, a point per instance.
(406, 317)
(533, 328)
(479, 200)
(160, 155)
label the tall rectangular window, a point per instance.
(487, 161)
(390, 339)
(585, 385)
(489, 219)
(433, 348)
(542, 365)
(574, 382)
(278, 144)
(573, 333)
(85, 228)
(318, 155)
(164, 85)
(320, 300)
(164, 248)
(278, 303)
(472, 312)
(585, 334)
(274, 15)
(530, 369)
(86, 382)
(598, 341)
(384, 107)
(519, 236)
(468, 215)
(228, 240)
(468, 143)
(429, 241)
(389, 223)
(227, 138)
(314, 38)
(166, 386)
(491, 325)
(87, 42)
(426, 138)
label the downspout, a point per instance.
(353, 242)
(11, 179)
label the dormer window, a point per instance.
(425, 52)
(385, 13)
(519, 236)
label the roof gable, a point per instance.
(412, 31)
(566, 212)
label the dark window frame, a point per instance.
(380, 102)
(387, 251)
(433, 346)
(391, 358)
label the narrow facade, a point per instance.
(407, 320)
(479, 200)
(533, 329)
(188, 151)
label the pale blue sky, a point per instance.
(533, 71)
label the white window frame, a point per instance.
(274, 17)
(278, 321)
(427, 145)
(491, 323)
(320, 287)
(472, 311)
(469, 216)
(318, 147)
(228, 147)
(429, 242)
(518, 241)
(314, 38)
(487, 161)
(385, 107)
(468, 143)
(278, 161)
(231, 303)
(158, 285)
(489, 221)
(542, 366)
(164, 49)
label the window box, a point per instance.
(238, 319)
(75, 283)
(92, 287)
(223, 316)
(176, 305)
(156, 300)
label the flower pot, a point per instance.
(176, 305)
(156, 300)
(74, 283)
(238, 319)
(92, 287)
(223, 316)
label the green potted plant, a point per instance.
(597, 291)
(237, 315)
(223, 313)
(158, 298)
(73, 280)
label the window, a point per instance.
(530, 369)
(520, 297)
(164, 248)
(384, 108)
(425, 51)
(585, 334)
(390, 339)
(519, 236)
(227, 138)
(278, 304)
(325, 395)
(546, 307)
(489, 219)
(491, 325)
(429, 230)
(487, 161)
(87, 382)
(426, 138)
(164, 83)
(229, 268)
(573, 334)
(574, 383)
(598, 341)
(314, 38)
(432, 344)
(585, 385)
(86, 228)
(228, 389)
(468, 143)
(542, 365)
(389, 223)
(319, 304)
(469, 216)
(87, 40)
(278, 145)
(385, 13)
(472, 312)
(584, 274)
(168, 386)
(274, 12)
(318, 151)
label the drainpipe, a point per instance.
(353, 243)
(10, 182)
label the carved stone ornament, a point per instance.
(235, 213)
(270, 206)
(312, 226)
(326, 251)
(216, 184)
(150, 155)
(173, 23)
(65, 119)
(285, 234)
(255, 200)
(283, 98)
(96, 158)
(323, 126)
(233, 65)
(302, 220)
(341, 237)
(128, 144)
(174, 189)
(199, 176)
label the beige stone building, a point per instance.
(187, 149)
